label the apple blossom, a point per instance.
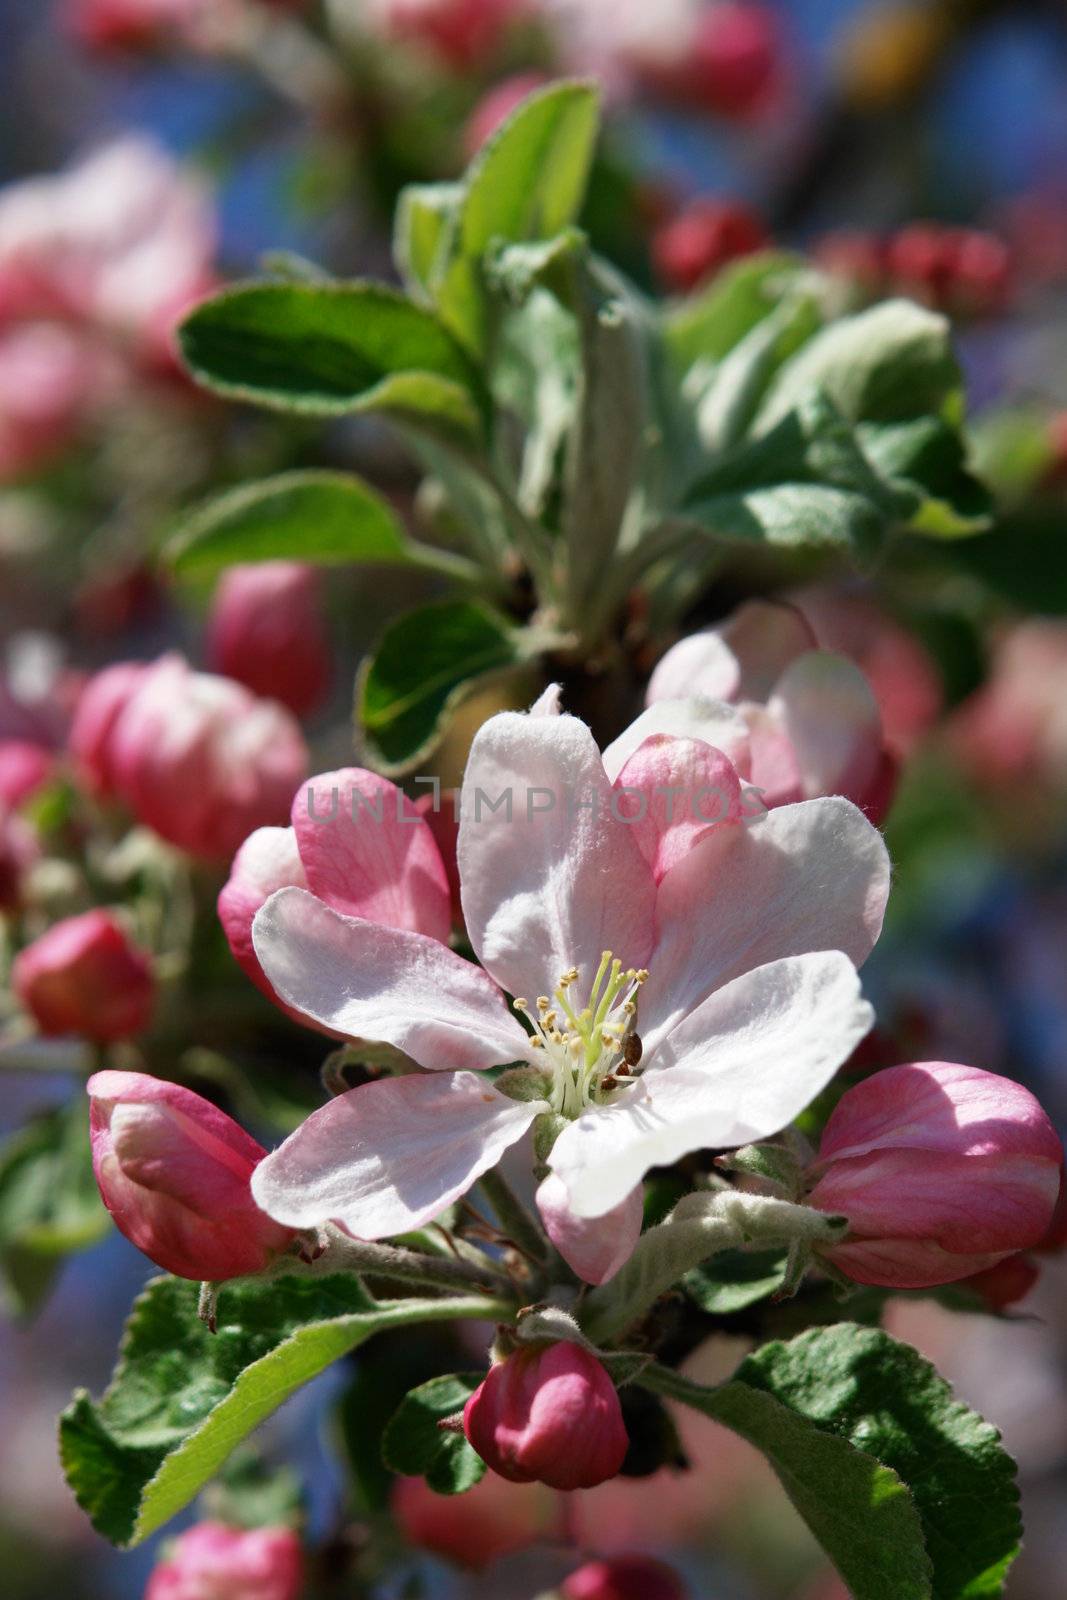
(85, 977)
(900, 671)
(358, 843)
(267, 630)
(49, 378)
(121, 244)
(961, 270)
(1014, 728)
(624, 1577)
(131, 24)
(174, 1172)
(942, 1170)
(813, 723)
(735, 64)
(747, 998)
(548, 1415)
(212, 1561)
(194, 756)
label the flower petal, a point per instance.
(829, 714)
(813, 876)
(676, 791)
(367, 852)
(390, 1155)
(695, 718)
(364, 981)
(739, 1069)
(740, 660)
(593, 1247)
(551, 877)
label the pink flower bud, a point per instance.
(702, 239)
(174, 1171)
(1005, 1284)
(548, 1415)
(736, 61)
(84, 977)
(102, 702)
(24, 768)
(214, 1562)
(194, 756)
(624, 1578)
(942, 1171)
(267, 630)
(473, 1530)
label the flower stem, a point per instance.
(392, 1262)
(513, 1216)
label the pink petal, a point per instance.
(548, 703)
(829, 714)
(774, 768)
(676, 791)
(391, 1155)
(268, 860)
(365, 981)
(367, 852)
(950, 1108)
(908, 1263)
(813, 876)
(561, 879)
(593, 1247)
(742, 659)
(712, 721)
(739, 1069)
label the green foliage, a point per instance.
(426, 664)
(181, 1398)
(330, 518)
(414, 1445)
(734, 1279)
(331, 350)
(909, 1491)
(49, 1203)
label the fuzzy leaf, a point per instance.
(414, 1445)
(329, 518)
(182, 1399)
(426, 663)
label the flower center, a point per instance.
(592, 1049)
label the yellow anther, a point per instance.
(537, 1043)
(543, 1002)
(521, 1004)
(641, 975)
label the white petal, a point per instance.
(811, 876)
(831, 718)
(739, 1069)
(551, 878)
(713, 721)
(593, 1247)
(365, 981)
(549, 702)
(391, 1155)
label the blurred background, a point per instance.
(916, 148)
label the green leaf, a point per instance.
(329, 518)
(181, 1399)
(858, 1509)
(426, 663)
(529, 180)
(880, 1395)
(806, 482)
(425, 216)
(49, 1203)
(526, 183)
(929, 457)
(737, 385)
(331, 350)
(734, 1279)
(708, 325)
(414, 1445)
(889, 364)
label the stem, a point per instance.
(402, 1266)
(699, 1227)
(513, 1216)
